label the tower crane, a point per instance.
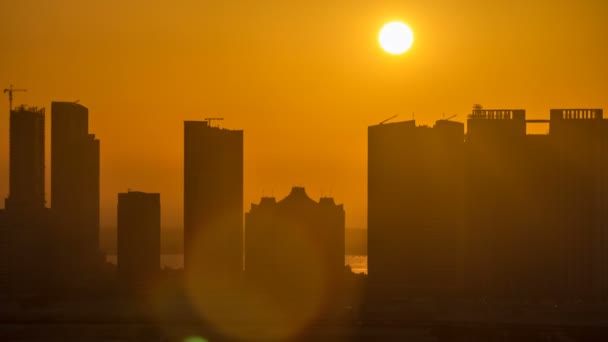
(10, 91)
(392, 117)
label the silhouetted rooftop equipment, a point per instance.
(385, 120)
(10, 91)
(577, 114)
(498, 114)
(209, 120)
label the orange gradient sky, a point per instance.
(303, 79)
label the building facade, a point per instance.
(580, 214)
(26, 226)
(415, 209)
(138, 259)
(294, 249)
(75, 183)
(213, 201)
(280, 235)
(26, 159)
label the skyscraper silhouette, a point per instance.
(415, 209)
(498, 190)
(26, 227)
(282, 237)
(294, 255)
(213, 201)
(26, 159)
(75, 182)
(581, 201)
(138, 260)
(536, 204)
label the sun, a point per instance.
(396, 37)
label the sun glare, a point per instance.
(396, 38)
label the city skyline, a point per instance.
(393, 170)
(108, 223)
(272, 71)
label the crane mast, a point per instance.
(10, 91)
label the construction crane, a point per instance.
(209, 120)
(451, 117)
(10, 91)
(385, 120)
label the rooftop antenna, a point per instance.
(10, 91)
(385, 120)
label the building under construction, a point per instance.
(26, 159)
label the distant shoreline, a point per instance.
(357, 263)
(172, 240)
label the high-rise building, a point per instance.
(580, 206)
(536, 212)
(138, 259)
(25, 225)
(75, 181)
(415, 209)
(26, 159)
(213, 201)
(294, 254)
(494, 178)
(28, 246)
(283, 236)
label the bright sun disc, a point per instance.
(396, 37)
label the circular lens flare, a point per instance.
(396, 38)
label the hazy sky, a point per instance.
(303, 79)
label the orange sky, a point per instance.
(303, 79)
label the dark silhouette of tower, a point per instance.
(26, 159)
(282, 236)
(580, 216)
(138, 239)
(213, 201)
(495, 183)
(536, 205)
(26, 226)
(415, 209)
(75, 183)
(294, 253)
